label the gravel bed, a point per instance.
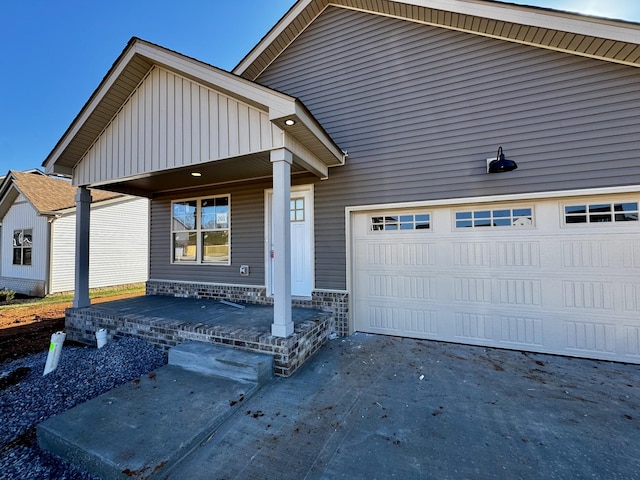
(27, 398)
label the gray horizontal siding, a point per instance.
(247, 239)
(420, 108)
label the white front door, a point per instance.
(301, 214)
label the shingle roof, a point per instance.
(50, 194)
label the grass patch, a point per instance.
(138, 288)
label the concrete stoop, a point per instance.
(142, 428)
(225, 362)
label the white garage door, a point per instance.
(559, 276)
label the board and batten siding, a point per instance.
(118, 246)
(22, 215)
(420, 108)
(171, 121)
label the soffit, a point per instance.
(220, 172)
(610, 40)
(76, 141)
(130, 70)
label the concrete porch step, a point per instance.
(144, 427)
(226, 362)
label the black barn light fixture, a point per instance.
(500, 164)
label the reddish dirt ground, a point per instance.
(27, 329)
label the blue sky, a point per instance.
(55, 53)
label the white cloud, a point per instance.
(621, 9)
(618, 9)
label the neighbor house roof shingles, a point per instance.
(48, 194)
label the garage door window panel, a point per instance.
(394, 223)
(601, 213)
(502, 217)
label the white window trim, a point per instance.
(22, 248)
(493, 208)
(597, 201)
(198, 230)
(400, 213)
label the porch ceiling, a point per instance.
(240, 169)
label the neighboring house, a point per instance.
(409, 234)
(38, 236)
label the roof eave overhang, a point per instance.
(480, 17)
(309, 133)
(59, 163)
(135, 63)
(8, 195)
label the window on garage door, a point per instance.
(494, 218)
(399, 222)
(601, 212)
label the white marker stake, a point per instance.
(55, 349)
(101, 338)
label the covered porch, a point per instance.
(175, 130)
(168, 321)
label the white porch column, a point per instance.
(282, 322)
(83, 214)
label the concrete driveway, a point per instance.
(377, 407)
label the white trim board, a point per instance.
(496, 198)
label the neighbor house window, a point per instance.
(22, 245)
(418, 221)
(601, 213)
(499, 217)
(200, 230)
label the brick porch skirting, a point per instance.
(289, 353)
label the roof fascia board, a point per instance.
(608, 29)
(7, 183)
(310, 122)
(523, 15)
(49, 163)
(94, 204)
(7, 198)
(278, 104)
(273, 34)
(304, 157)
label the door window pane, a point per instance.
(297, 210)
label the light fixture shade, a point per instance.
(501, 164)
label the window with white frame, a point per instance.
(200, 230)
(22, 246)
(496, 217)
(406, 221)
(601, 212)
(297, 210)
